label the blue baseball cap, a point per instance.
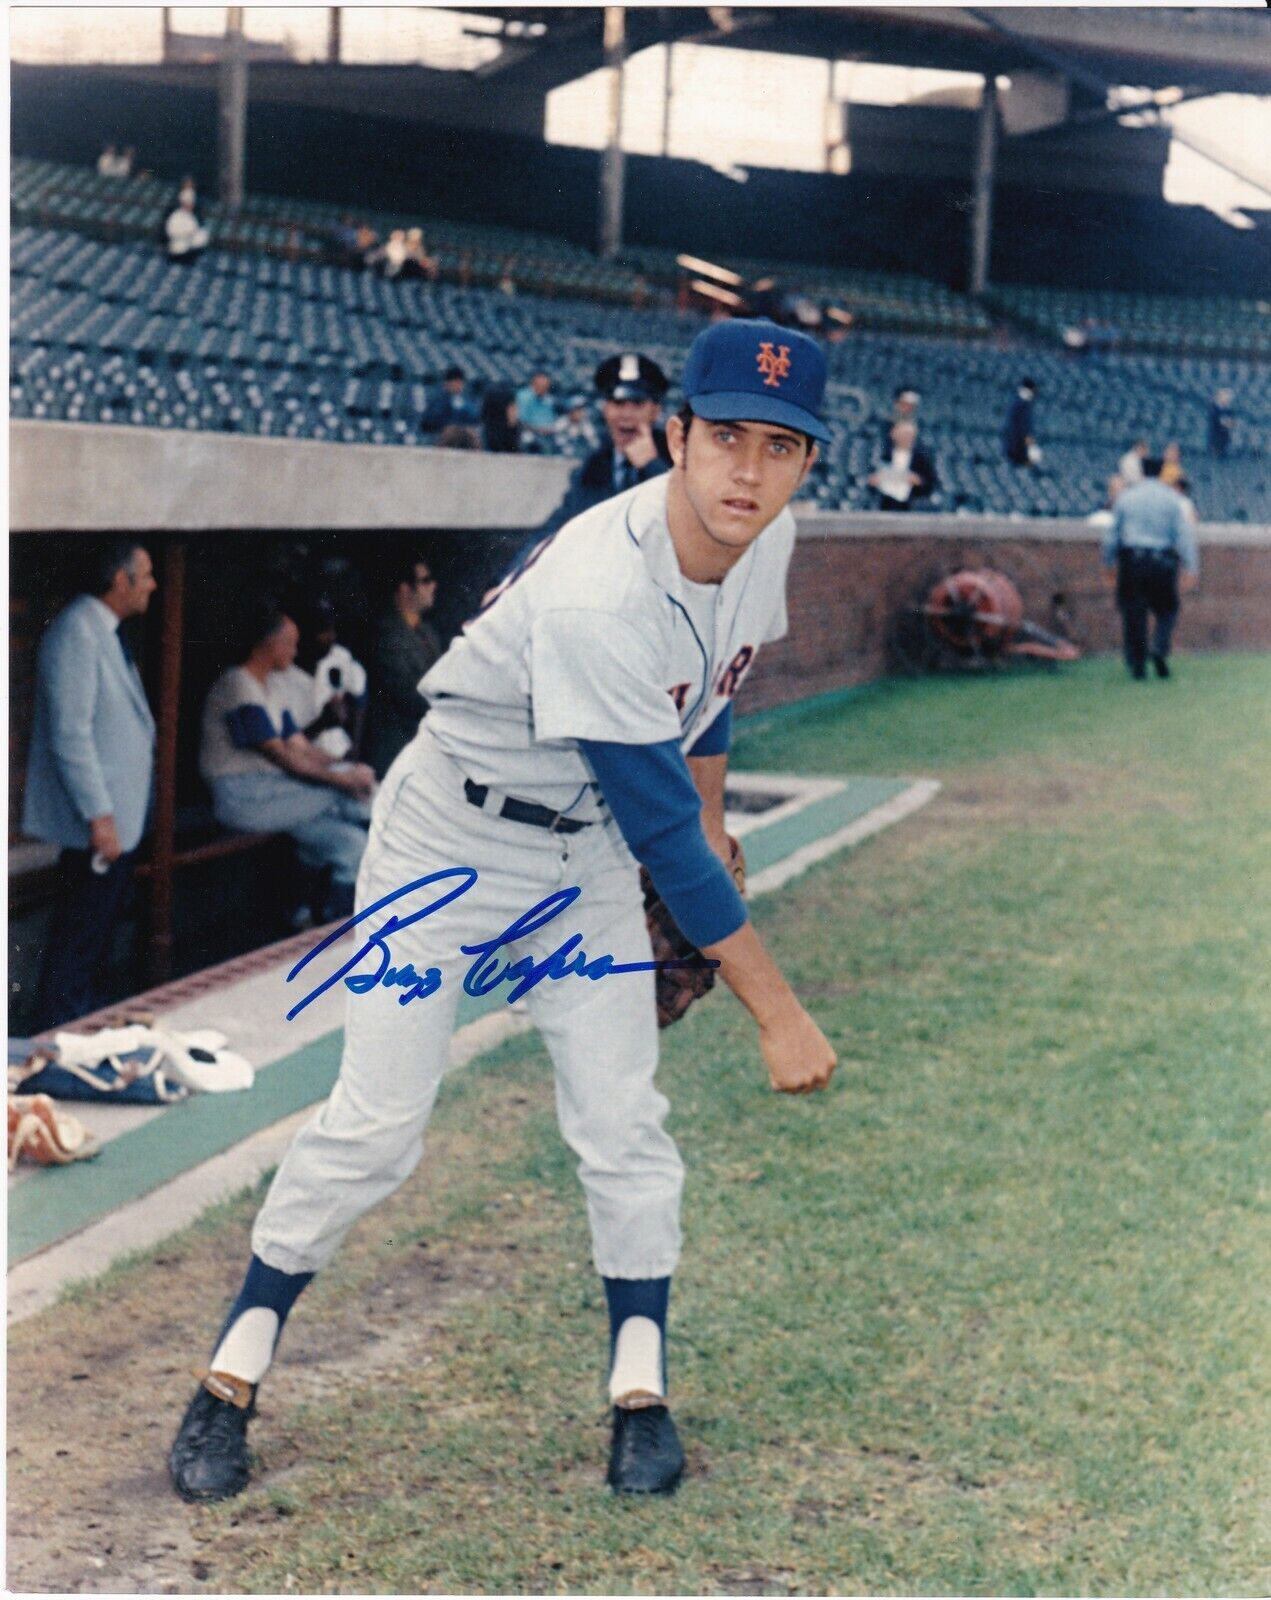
(753, 370)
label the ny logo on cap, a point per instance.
(774, 364)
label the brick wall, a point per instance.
(846, 587)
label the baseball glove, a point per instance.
(678, 987)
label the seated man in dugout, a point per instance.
(267, 776)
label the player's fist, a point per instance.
(798, 1056)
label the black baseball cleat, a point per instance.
(208, 1459)
(1161, 665)
(645, 1457)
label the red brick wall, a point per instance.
(845, 591)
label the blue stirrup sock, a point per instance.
(250, 1332)
(637, 1339)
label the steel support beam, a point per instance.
(163, 837)
(982, 209)
(333, 36)
(232, 112)
(613, 160)
(1059, 62)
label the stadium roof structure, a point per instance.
(1213, 49)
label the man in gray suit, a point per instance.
(89, 772)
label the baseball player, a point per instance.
(578, 726)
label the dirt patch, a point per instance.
(1052, 792)
(97, 1384)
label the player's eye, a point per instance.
(725, 435)
(780, 447)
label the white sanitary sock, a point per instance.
(248, 1347)
(637, 1363)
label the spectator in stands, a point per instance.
(1149, 540)
(367, 240)
(536, 413)
(404, 648)
(392, 256)
(418, 263)
(507, 277)
(905, 473)
(89, 773)
(457, 437)
(904, 408)
(188, 194)
(451, 406)
(266, 775)
(1221, 423)
(575, 431)
(127, 162)
(187, 238)
(113, 163)
(499, 423)
(1130, 466)
(1018, 440)
(1172, 463)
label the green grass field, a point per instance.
(987, 1318)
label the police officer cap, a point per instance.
(631, 377)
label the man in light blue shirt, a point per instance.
(89, 773)
(536, 412)
(1149, 540)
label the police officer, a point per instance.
(632, 388)
(1149, 540)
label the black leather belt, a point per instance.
(524, 810)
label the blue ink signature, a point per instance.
(487, 971)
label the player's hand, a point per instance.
(1109, 577)
(103, 838)
(798, 1056)
(1187, 581)
(642, 449)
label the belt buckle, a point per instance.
(554, 825)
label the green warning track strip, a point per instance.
(54, 1203)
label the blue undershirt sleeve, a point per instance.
(658, 810)
(718, 738)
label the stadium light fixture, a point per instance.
(712, 291)
(709, 269)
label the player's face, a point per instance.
(736, 477)
(625, 419)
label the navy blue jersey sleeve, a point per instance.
(657, 808)
(718, 738)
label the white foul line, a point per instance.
(902, 805)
